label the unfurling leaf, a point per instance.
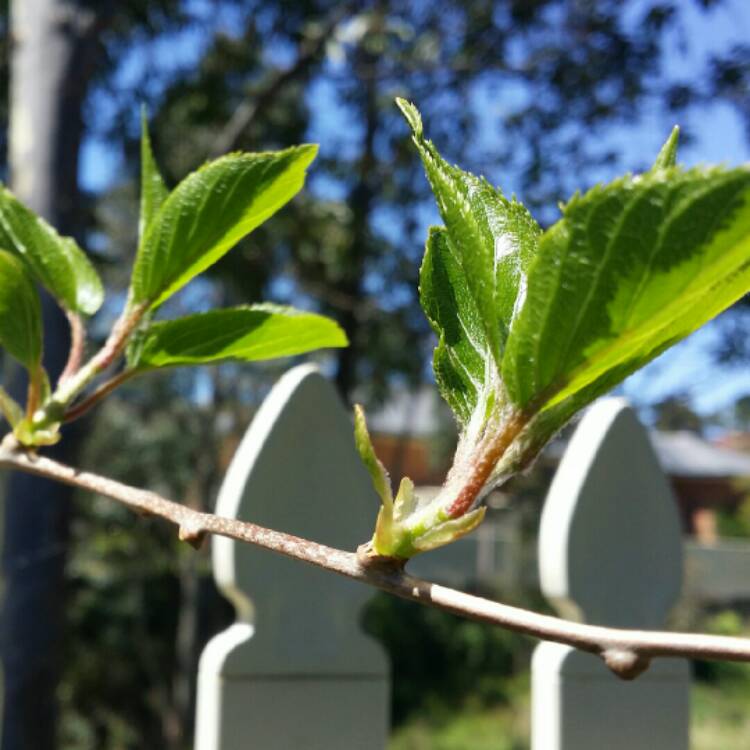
(251, 333)
(384, 531)
(153, 194)
(395, 534)
(378, 474)
(532, 326)
(55, 262)
(208, 213)
(20, 313)
(488, 240)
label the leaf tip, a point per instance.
(667, 156)
(411, 113)
(338, 338)
(145, 135)
(307, 152)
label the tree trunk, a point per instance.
(52, 46)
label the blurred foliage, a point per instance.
(730, 622)
(500, 727)
(675, 413)
(440, 662)
(132, 582)
(500, 717)
(735, 522)
(719, 720)
(507, 87)
(741, 416)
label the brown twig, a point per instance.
(626, 652)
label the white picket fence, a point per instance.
(296, 671)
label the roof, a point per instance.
(685, 454)
(408, 412)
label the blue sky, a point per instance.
(718, 138)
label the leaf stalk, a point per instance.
(52, 412)
(483, 462)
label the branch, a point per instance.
(626, 652)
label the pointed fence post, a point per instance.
(295, 670)
(610, 553)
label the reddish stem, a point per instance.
(103, 390)
(490, 451)
(77, 345)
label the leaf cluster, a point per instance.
(181, 233)
(533, 325)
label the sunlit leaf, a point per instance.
(490, 241)
(20, 313)
(153, 189)
(56, 262)
(630, 269)
(667, 156)
(208, 213)
(250, 333)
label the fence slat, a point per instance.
(295, 670)
(610, 553)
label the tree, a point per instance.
(56, 54)
(52, 60)
(511, 73)
(674, 413)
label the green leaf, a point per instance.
(153, 190)
(20, 313)
(29, 434)
(56, 262)
(667, 157)
(399, 530)
(528, 337)
(248, 333)
(448, 531)
(491, 241)
(383, 539)
(463, 350)
(208, 213)
(630, 269)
